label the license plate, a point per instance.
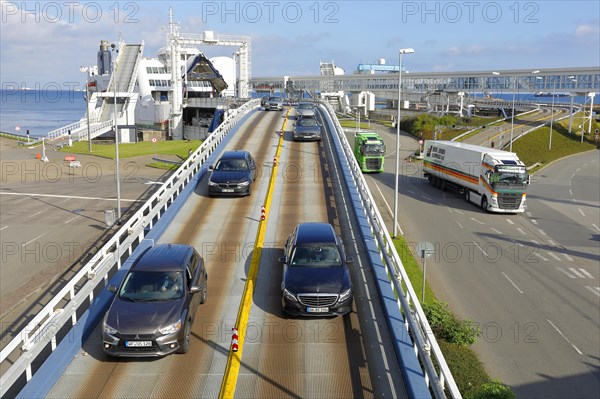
(137, 344)
(317, 310)
(227, 190)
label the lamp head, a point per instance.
(406, 50)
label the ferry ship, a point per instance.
(178, 95)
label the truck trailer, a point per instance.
(369, 150)
(494, 179)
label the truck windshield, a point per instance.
(374, 149)
(510, 176)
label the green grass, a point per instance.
(413, 269)
(130, 150)
(533, 147)
(351, 123)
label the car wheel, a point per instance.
(204, 292)
(484, 204)
(185, 344)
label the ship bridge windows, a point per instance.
(156, 70)
(159, 82)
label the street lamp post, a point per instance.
(401, 51)
(552, 117)
(87, 108)
(117, 174)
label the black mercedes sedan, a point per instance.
(233, 174)
(316, 280)
(154, 308)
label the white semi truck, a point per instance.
(495, 179)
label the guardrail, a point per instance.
(415, 322)
(47, 329)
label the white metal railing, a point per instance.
(416, 324)
(27, 346)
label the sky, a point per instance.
(45, 43)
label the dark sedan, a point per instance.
(316, 280)
(307, 128)
(233, 174)
(154, 308)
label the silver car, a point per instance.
(305, 109)
(274, 103)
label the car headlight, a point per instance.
(108, 329)
(171, 329)
(289, 296)
(244, 184)
(211, 183)
(345, 295)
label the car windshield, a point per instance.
(231, 164)
(143, 286)
(316, 255)
(506, 175)
(305, 106)
(307, 122)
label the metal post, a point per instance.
(552, 118)
(512, 122)
(424, 275)
(117, 156)
(402, 51)
(87, 116)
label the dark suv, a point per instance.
(316, 280)
(155, 306)
(233, 174)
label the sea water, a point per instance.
(40, 111)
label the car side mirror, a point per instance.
(282, 259)
(211, 167)
(195, 289)
(112, 288)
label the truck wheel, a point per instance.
(484, 204)
(443, 184)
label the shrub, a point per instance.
(468, 372)
(493, 390)
(445, 325)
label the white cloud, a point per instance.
(587, 30)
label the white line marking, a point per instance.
(565, 338)
(459, 212)
(426, 197)
(410, 191)
(475, 220)
(577, 171)
(540, 256)
(3, 228)
(21, 200)
(35, 239)
(535, 242)
(595, 290)
(597, 228)
(460, 225)
(580, 211)
(495, 230)
(388, 207)
(586, 273)
(554, 256)
(520, 230)
(534, 221)
(567, 257)
(514, 285)
(552, 242)
(481, 249)
(510, 221)
(69, 196)
(70, 220)
(576, 272)
(542, 232)
(35, 214)
(569, 275)
(528, 214)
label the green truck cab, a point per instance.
(369, 150)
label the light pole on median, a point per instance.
(117, 174)
(401, 51)
(512, 112)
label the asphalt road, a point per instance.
(530, 281)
